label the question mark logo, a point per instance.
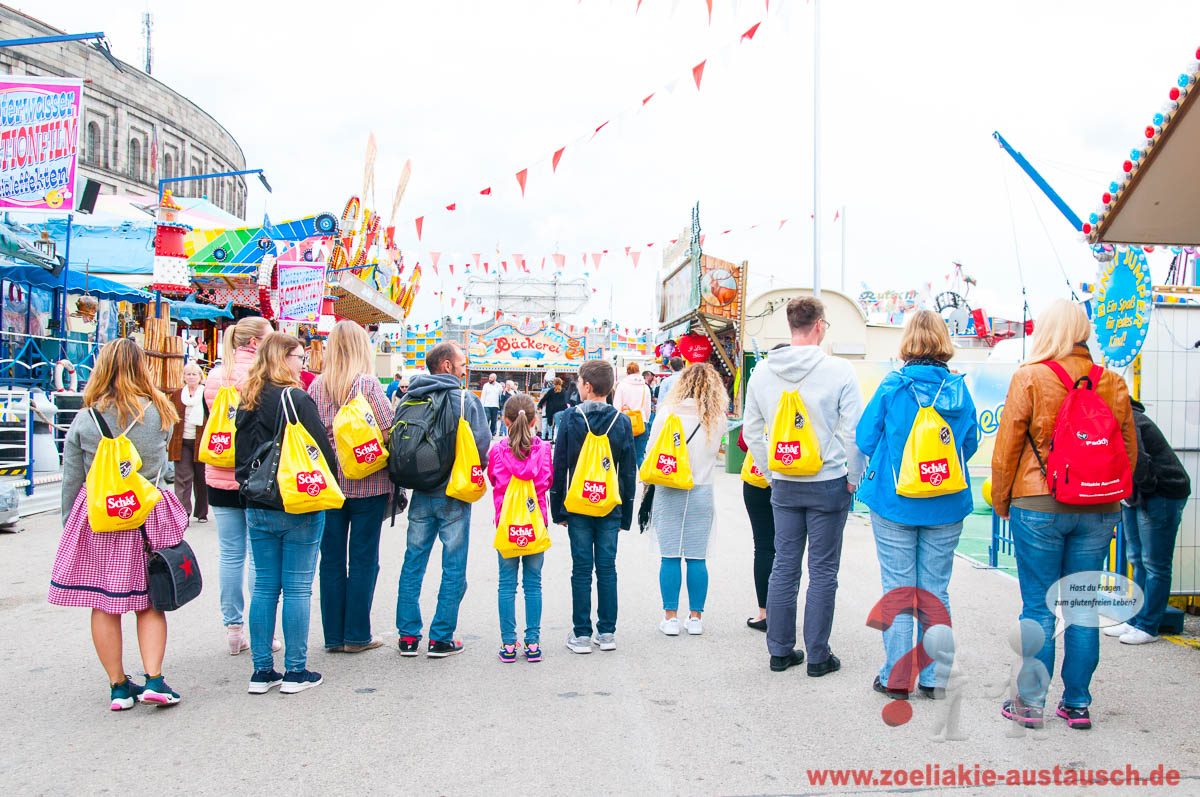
(930, 611)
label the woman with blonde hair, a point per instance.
(1054, 539)
(348, 579)
(228, 510)
(915, 538)
(682, 519)
(285, 544)
(107, 572)
(183, 449)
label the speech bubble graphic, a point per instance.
(1094, 599)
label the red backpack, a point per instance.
(1088, 463)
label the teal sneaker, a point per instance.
(124, 695)
(158, 693)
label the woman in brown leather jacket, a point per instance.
(1053, 539)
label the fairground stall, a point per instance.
(1155, 205)
(701, 308)
(528, 354)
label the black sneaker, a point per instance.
(295, 682)
(831, 664)
(894, 694)
(932, 692)
(781, 663)
(1018, 712)
(1077, 718)
(440, 650)
(262, 681)
(410, 645)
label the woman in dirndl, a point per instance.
(106, 572)
(682, 519)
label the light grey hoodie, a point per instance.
(829, 389)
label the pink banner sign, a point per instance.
(39, 136)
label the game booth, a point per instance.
(527, 354)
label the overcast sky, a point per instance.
(473, 91)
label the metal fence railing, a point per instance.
(1002, 543)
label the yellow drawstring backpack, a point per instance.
(930, 465)
(216, 443)
(794, 447)
(359, 441)
(666, 463)
(466, 476)
(521, 530)
(593, 490)
(751, 474)
(306, 481)
(118, 497)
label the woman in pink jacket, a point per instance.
(241, 343)
(632, 395)
(521, 455)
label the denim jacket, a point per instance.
(884, 429)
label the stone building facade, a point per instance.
(128, 117)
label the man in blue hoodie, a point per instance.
(594, 539)
(809, 510)
(434, 515)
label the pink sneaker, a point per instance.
(237, 640)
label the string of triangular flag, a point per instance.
(696, 73)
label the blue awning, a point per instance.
(77, 282)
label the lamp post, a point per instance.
(188, 178)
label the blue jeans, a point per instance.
(912, 556)
(1150, 531)
(594, 545)
(507, 597)
(639, 446)
(285, 550)
(670, 580)
(232, 541)
(1048, 547)
(348, 588)
(433, 516)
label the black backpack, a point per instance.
(421, 441)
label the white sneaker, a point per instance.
(669, 627)
(1137, 636)
(694, 626)
(579, 644)
(276, 645)
(606, 641)
(1120, 629)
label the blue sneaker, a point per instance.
(262, 681)
(123, 696)
(158, 693)
(295, 682)
(508, 653)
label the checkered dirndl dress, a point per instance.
(107, 571)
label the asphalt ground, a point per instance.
(682, 715)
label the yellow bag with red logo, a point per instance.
(521, 530)
(306, 482)
(593, 490)
(466, 476)
(118, 497)
(359, 441)
(216, 443)
(794, 447)
(752, 475)
(666, 463)
(930, 464)
(636, 421)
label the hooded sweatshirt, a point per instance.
(218, 377)
(573, 430)
(883, 433)
(426, 384)
(829, 388)
(503, 466)
(633, 394)
(1159, 473)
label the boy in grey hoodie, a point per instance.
(808, 510)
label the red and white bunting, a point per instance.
(557, 157)
(698, 73)
(420, 225)
(522, 176)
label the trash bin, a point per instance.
(734, 455)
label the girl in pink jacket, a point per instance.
(241, 343)
(521, 455)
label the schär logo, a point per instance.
(935, 471)
(123, 506)
(520, 536)
(595, 491)
(367, 452)
(220, 442)
(311, 482)
(666, 464)
(477, 475)
(787, 452)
